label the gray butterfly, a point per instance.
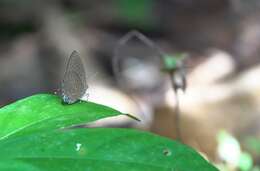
(74, 84)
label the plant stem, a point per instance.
(177, 110)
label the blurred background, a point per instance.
(220, 109)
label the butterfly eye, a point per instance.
(74, 83)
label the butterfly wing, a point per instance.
(74, 84)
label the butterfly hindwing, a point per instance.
(74, 84)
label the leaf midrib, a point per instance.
(31, 124)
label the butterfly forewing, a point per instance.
(74, 84)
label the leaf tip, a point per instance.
(133, 117)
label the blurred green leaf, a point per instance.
(228, 148)
(256, 168)
(245, 161)
(171, 62)
(253, 144)
(46, 112)
(136, 12)
(100, 149)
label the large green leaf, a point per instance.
(12, 165)
(46, 112)
(100, 149)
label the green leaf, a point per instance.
(170, 62)
(101, 149)
(228, 148)
(137, 13)
(245, 161)
(253, 144)
(46, 112)
(6, 165)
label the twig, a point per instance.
(161, 53)
(122, 41)
(177, 110)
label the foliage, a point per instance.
(31, 140)
(137, 13)
(230, 152)
(172, 63)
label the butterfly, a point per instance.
(74, 84)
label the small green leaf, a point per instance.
(46, 112)
(101, 149)
(253, 144)
(228, 148)
(136, 12)
(171, 62)
(245, 161)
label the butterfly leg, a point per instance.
(87, 96)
